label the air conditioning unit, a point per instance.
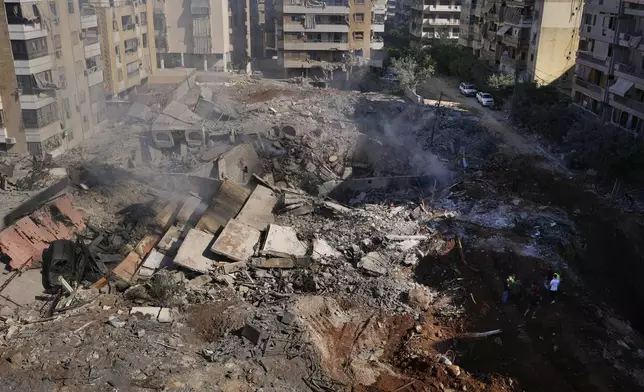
(10, 140)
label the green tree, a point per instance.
(411, 72)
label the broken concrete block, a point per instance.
(280, 263)
(170, 241)
(253, 334)
(287, 318)
(152, 311)
(258, 210)
(373, 263)
(335, 207)
(199, 281)
(322, 250)
(237, 241)
(154, 261)
(282, 241)
(165, 315)
(192, 250)
(229, 268)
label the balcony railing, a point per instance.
(589, 58)
(588, 86)
(129, 26)
(630, 70)
(629, 102)
(31, 54)
(515, 41)
(516, 64)
(88, 11)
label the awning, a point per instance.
(504, 29)
(621, 87)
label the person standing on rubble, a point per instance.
(553, 286)
(508, 285)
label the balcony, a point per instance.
(419, 5)
(319, 27)
(94, 76)
(627, 104)
(27, 31)
(632, 7)
(378, 28)
(630, 72)
(589, 89)
(88, 18)
(444, 8)
(328, 10)
(441, 22)
(587, 59)
(514, 64)
(515, 42)
(35, 100)
(91, 47)
(200, 7)
(377, 44)
(316, 45)
(33, 66)
(600, 33)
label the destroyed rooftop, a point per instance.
(315, 240)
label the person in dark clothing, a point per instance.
(534, 298)
(508, 286)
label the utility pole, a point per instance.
(438, 107)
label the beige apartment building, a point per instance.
(312, 34)
(609, 77)
(435, 19)
(127, 49)
(51, 88)
(202, 34)
(536, 39)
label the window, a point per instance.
(53, 9)
(61, 77)
(359, 1)
(74, 37)
(144, 18)
(57, 43)
(531, 56)
(78, 67)
(82, 96)
(358, 35)
(68, 112)
(359, 17)
(70, 134)
(132, 69)
(144, 38)
(38, 118)
(70, 6)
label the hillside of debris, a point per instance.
(322, 240)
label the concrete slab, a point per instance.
(322, 250)
(229, 200)
(190, 205)
(258, 210)
(171, 240)
(373, 263)
(237, 241)
(238, 164)
(22, 290)
(193, 251)
(282, 241)
(153, 262)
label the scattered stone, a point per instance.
(165, 316)
(333, 158)
(454, 370)
(252, 333)
(287, 318)
(115, 322)
(322, 250)
(419, 299)
(151, 311)
(199, 281)
(373, 263)
(282, 242)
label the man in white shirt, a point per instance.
(553, 286)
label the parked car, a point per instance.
(485, 99)
(467, 89)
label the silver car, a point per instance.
(485, 99)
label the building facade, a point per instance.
(127, 48)
(435, 19)
(536, 40)
(262, 29)
(312, 34)
(609, 76)
(52, 89)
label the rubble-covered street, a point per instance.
(317, 240)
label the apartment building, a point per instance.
(313, 34)
(127, 48)
(52, 92)
(203, 34)
(435, 19)
(262, 29)
(609, 76)
(535, 39)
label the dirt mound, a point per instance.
(213, 321)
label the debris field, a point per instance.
(319, 240)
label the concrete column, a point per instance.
(205, 62)
(162, 62)
(182, 61)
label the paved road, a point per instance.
(494, 121)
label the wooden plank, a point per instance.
(226, 204)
